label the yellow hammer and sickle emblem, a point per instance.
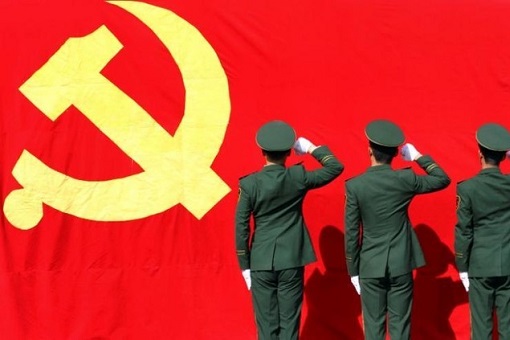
(176, 168)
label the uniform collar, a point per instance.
(491, 170)
(270, 167)
(379, 167)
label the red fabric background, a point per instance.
(438, 68)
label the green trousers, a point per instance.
(277, 299)
(486, 295)
(387, 298)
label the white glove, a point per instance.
(302, 145)
(247, 278)
(465, 280)
(409, 152)
(355, 283)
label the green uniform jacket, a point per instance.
(379, 238)
(274, 197)
(482, 233)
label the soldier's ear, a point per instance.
(481, 158)
(370, 153)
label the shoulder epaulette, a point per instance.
(467, 179)
(251, 173)
(353, 177)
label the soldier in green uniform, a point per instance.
(272, 256)
(482, 236)
(381, 246)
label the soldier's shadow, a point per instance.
(333, 305)
(435, 295)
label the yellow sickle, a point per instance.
(176, 169)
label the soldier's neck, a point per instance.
(486, 165)
(373, 162)
(489, 166)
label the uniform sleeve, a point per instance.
(352, 231)
(463, 230)
(435, 179)
(331, 168)
(242, 226)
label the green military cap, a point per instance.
(493, 137)
(385, 133)
(276, 135)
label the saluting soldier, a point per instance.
(381, 247)
(273, 263)
(482, 235)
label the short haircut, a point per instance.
(275, 156)
(383, 154)
(492, 157)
